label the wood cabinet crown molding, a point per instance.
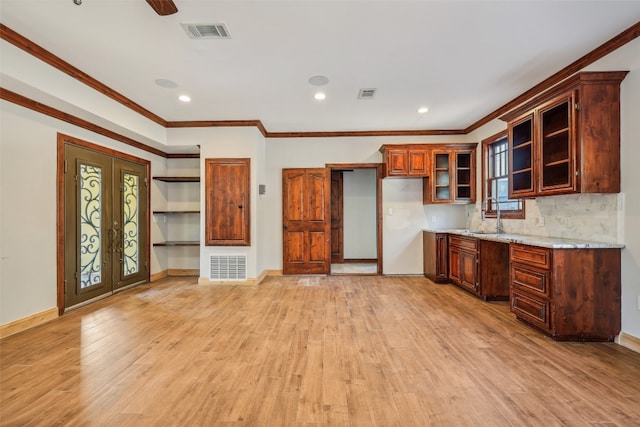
(583, 78)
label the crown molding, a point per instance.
(30, 104)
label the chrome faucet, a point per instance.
(499, 228)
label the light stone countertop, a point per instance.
(544, 242)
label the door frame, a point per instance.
(379, 167)
(60, 206)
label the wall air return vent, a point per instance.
(366, 93)
(227, 267)
(207, 31)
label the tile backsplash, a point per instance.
(578, 216)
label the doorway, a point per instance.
(356, 218)
(103, 234)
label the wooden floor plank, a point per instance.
(308, 351)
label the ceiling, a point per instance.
(461, 59)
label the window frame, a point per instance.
(487, 144)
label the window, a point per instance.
(495, 161)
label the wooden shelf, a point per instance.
(175, 212)
(178, 243)
(557, 132)
(177, 178)
(523, 145)
(558, 162)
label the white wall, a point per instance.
(317, 152)
(28, 142)
(359, 203)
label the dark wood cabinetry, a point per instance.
(436, 256)
(406, 160)
(452, 179)
(493, 270)
(570, 294)
(463, 252)
(480, 266)
(568, 139)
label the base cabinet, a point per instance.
(463, 261)
(570, 294)
(436, 257)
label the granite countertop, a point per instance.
(544, 242)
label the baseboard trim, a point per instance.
(249, 282)
(359, 260)
(184, 272)
(629, 341)
(160, 275)
(28, 322)
(179, 272)
(273, 272)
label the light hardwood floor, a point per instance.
(308, 351)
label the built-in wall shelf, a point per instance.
(175, 212)
(178, 243)
(177, 178)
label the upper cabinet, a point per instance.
(452, 177)
(448, 169)
(567, 140)
(405, 160)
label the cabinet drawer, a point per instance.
(463, 242)
(531, 279)
(535, 311)
(531, 255)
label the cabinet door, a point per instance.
(468, 268)
(418, 162)
(521, 158)
(557, 146)
(465, 177)
(442, 264)
(441, 179)
(227, 198)
(454, 264)
(397, 162)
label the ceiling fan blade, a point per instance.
(163, 7)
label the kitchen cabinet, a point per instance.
(463, 262)
(436, 256)
(567, 140)
(406, 160)
(452, 177)
(493, 270)
(480, 266)
(570, 294)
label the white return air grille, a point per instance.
(206, 31)
(227, 267)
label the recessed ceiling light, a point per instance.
(184, 98)
(320, 96)
(318, 80)
(166, 83)
(422, 110)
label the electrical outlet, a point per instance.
(638, 302)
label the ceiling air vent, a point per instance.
(207, 31)
(366, 93)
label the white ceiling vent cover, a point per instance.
(366, 93)
(207, 31)
(227, 267)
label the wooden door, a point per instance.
(227, 186)
(306, 221)
(337, 217)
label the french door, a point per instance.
(105, 223)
